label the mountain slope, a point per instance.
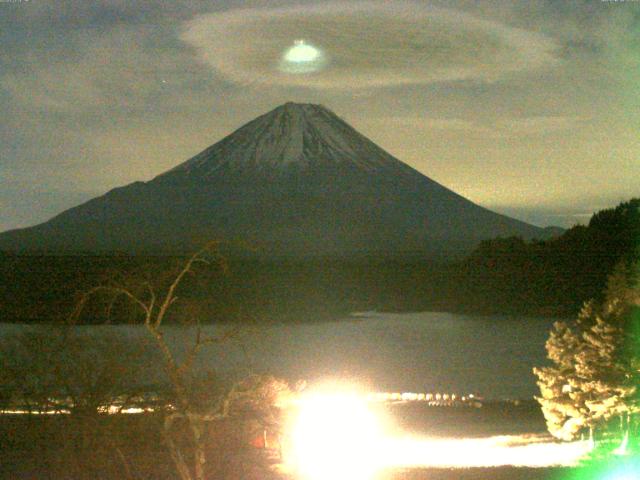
(297, 181)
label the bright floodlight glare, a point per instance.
(518, 451)
(335, 436)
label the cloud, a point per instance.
(540, 124)
(122, 68)
(23, 203)
(457, 124)
(429, 126)
(545, 216)
(101, 93)
(366, 44)
(497, 128)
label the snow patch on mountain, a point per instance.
(292, 135)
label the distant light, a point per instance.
(302, 58)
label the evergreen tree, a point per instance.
(565, 416)
(604, 379)
(595, 371)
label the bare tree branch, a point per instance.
(170, 296)
(86, 296)
(155, 306)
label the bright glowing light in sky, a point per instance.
(301, 53)
(302, 58)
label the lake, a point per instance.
(489, 356)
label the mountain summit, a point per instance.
(295, 182)
(293, 136)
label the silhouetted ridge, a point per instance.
(297, 181)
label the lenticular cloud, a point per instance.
(365, 45)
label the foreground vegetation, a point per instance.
(555, 276)
(65, 371)
(593, 383)
(131, 447)
(207, 427)
(124, 447)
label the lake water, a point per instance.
(419, 352)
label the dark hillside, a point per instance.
(554, 276)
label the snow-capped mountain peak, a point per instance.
(295, 182)
(293, 135)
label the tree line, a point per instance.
(205, 422)
(509, 275)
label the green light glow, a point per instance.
(627, 468)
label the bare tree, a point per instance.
(187, 414)
(29, 362)
(83, 373)
(62, 369)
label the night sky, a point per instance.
(529, 108)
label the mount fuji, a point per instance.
(297, 181)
